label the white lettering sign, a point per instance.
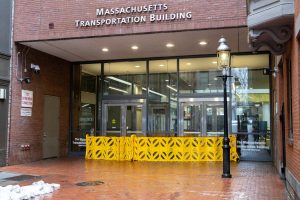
(26, 112)
(27, 99)
(142, 14)
(80, 142)
(132, 9)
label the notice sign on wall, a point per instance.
(26, 112)
(27, 99)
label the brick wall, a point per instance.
(277, 98)
(54, 79)
(280, 85)
(32, 18)
(293, 150)
(297, 8)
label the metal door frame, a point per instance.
(202, 102)
(215, 103)
(123, 104)
(181, 120)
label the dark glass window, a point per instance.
(5, 26)
(162, 116)
(4, 67)
(88, 83)
(125, 78)
(199, 75)
(250, 104)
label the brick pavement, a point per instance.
(155, 180)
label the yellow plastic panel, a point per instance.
(179, 149)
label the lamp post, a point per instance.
(223, 56)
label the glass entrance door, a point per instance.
(134, 120)
(124, 118)
(113, 120)
(214, 115)
(201, 118)
(192, 119)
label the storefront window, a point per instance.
(116, 101)
(214, 119)
(84, 103)
(125, 78)
(251, 106)
(88, 102)
(162, 97)
(87, 118)
(199, 75)
(4, 69)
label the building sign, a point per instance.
(80, 142)
(253, 145)
(26, 112)
(27, 99)
(133, 15)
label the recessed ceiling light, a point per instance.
(203, 43)
(170, 45)
(134, 47)
(161, 65)
(137, 66)
(188, 63)
(167, 80)
(215, 79)
(105, 49)
(214, 62)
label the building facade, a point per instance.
(5, 55)
(117, 68)
(275, 25)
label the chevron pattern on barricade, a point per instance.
(233, 153)
(180, 149)
(126, 148)
(89, 147)
(105, 148)
(141, 148)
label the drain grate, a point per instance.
(22, 178)
(90, 183)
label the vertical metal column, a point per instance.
(177, 133)
(226, 146)
(100, 106)
(147, 98)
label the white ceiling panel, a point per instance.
(150, 45)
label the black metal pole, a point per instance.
(226, 147)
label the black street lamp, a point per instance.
(223, 56)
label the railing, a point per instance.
(158, 148)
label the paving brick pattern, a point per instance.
(155, 180)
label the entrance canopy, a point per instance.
(148, 45)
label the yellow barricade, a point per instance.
(158, 148)
(126, 148)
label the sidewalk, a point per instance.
(153, 180)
